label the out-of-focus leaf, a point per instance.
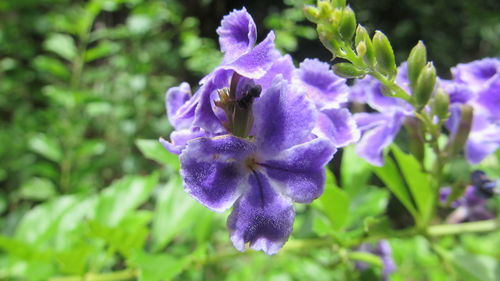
(60, 96)
(3, 203)
(61, 44)
(160, 267)
(175, 212)
(46, 146)
(123, 197)
(389, 174)
(74, 261)
(334, 202)
(91, 147)
(46, 64)
(37, 189)
(152, 149)
(418, 181)
(354, 171)
(103, 49)
(139, 23)
(476, 268)
(370, 201)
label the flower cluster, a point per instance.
(257, 134)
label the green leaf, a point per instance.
(61, 44)
(370, 201)
(418, 182)
(37, 189)
(103, 49)
(475, 267)
(123, 197)
(354, 171)
(334, 202)
(46, 64)
(46, 146)
(152, 149)
(389, 174)
(173, 208)
(159, 267)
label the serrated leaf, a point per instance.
(152, 149)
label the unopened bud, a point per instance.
(425, 85)
(311, 13)
(338, 3)
(441, 103)
(416, 62)
(325, 9)
(361, 49)
(347, 70)
(363, 37)
(458, 140)
(415, 130)
(347, 26)
(386, 63)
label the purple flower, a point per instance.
(384, 251)
(379, 128)
(329, 93)
(261, 176)
(471, 206)
(477, 84)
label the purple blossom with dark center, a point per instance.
(261, 176)
(384, 251)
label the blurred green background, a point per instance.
(85, 187)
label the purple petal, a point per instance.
(484, 138)
(213, 170)
(255, 63)
(283, 65)
(489, 97)
(283, 116)
(321, 84)
(337, 125)
(475, 74)
(261, 217)
(179, 139)
(300, 171)
(175, 98)
(237, 34)
(459, 92)
(376, 139)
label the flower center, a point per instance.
(251, 163)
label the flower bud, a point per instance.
(311, 13)
(347, 25)
(347, 70)
(415, 130)
(363, 37)
(425, 85)
(361, 49)
(458, 140)
(325, 9)
(338, 3)
(416, 62)
(386, 63)
(441, 104)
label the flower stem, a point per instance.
(460, 228)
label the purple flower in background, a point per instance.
(379, 128)
(384, 251)
(282, 163)
(477, 84)
(471, 206)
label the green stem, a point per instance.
(126, 274)
(460, 228)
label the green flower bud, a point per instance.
(416, 62)
(325, 9)
(361, 49)
(339, 3)
(457, 142)
(415, 130)
(386, 63)
(441, 104)
(425, 85)
(348, 70)
(363, 37)
(311, 13)
(347, 26)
